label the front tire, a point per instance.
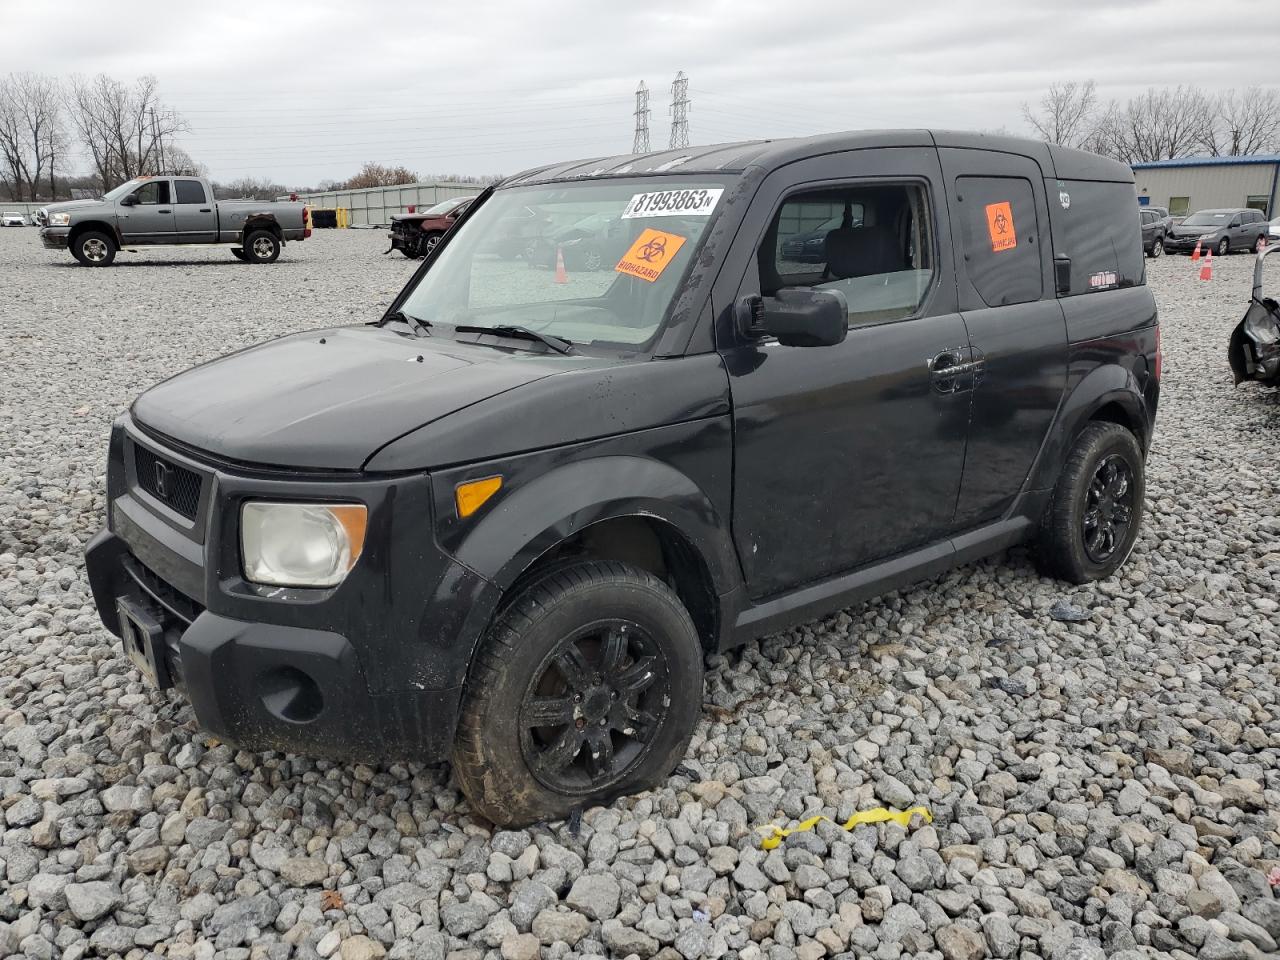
(429, 242)
(262, 246)
(1157, 249)
(1224, 247)
(586, 687)
(1093, 519)
(94, 249)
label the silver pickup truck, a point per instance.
(170, 211)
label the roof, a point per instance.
(769, 155)
(1210, 161)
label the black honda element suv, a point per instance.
(504, 522)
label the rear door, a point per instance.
(1015, 325)
(194, 218)
(846, 454)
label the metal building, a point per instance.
(375, 205)
(1202, 183)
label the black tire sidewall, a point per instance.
(489, 760)
(1062, 545)
(1224, 247)
(249, 253)
(77, 248)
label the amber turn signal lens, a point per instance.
(473, 494)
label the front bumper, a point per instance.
(55, 238)
(371, 669)
(1179, 244)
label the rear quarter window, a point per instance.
(1093, 226)
(998, 227)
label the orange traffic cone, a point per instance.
(1195, 254)
(1206, 271)
(562, 275)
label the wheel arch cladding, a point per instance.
(614, 507)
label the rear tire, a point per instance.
(261, 246)
(1095, 514)
(94, 249)
(609, 658)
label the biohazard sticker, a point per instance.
(673, 203)
(650, 254)
(1000, 226)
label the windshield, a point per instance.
(606, 281)
(124, 188)
(1207, 218)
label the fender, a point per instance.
(563, 501)
(1103, 386)
(99, 225)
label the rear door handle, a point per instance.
(206, 210)
(164, 211)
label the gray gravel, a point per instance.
(1103, 762)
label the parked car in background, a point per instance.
(1165, 217)
(171, 211)
(1153, 232)
(1225, 230)
(416, 234)
(12, 218)
(515, 233)
(591, 243)
(811, 246)
(507, 521)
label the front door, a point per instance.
(194, 219)
(848, 454)
(150, 218)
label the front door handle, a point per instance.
(164, 211)
(947, 368)
(206, 210)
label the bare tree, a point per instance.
(1244, 123)
(31, 131)
(376, 175)
(1065, 114)
(125, 129)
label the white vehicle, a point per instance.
(1273, 231)
(12, 218)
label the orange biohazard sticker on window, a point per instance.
(650, 254)
(1000, 226)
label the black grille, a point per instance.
(172, 601)
(175, 486)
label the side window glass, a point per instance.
(190, 191)
(154, 193)
(872, 243)
(1104, 248)
(998, 230)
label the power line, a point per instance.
(680, 111)
(641, 142)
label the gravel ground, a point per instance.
(1106, 784)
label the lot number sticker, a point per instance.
(1000, 226)
(650, 254)
(673, 203)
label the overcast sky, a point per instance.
(304, 91)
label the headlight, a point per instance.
(59, 219)
(300, 544)
(1206, 236)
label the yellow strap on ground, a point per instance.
(878, 815)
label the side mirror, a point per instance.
(129, 201)
(798, 318)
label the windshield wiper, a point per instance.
(419, 327)
(558, 344)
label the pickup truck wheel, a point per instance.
(239, 254)
(94, 249)
(262, 246)
(586, 687)
(1092, 521)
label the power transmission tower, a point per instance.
(680, 111)
(641, 142)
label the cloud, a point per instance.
(300, 92)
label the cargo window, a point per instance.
(153, 193)
(190, 191)
(1093, 230)
(873, 243)
(998, 231)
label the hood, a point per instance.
(65, 205)
(328, 399)
(1182, 231)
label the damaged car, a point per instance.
(1254, 352)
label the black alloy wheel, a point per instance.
(1104, 524)
(593, 708)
